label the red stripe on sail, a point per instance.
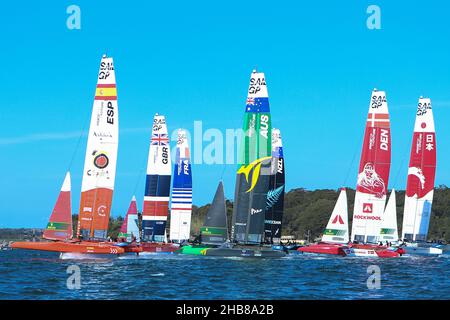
(112, 85)
(105, 98)
(62, 215)
(156, 208)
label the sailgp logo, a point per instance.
(256, 167)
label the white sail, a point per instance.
(181, 200)
(101, 156)
(337, 227)
(389, 230)
(421, 175)
(157, 185)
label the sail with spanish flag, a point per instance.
(254, 165)
(101, 157)
(59, 226)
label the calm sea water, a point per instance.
(41, 275)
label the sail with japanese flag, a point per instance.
(157, 184)
(254, 166)
(129, 230)
(181, 201)
(421, 175)
(59, 226)
(275, 195)
(389, 230)
(101, 157)
(336, 230)
(373, 174)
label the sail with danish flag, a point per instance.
(336, 230)
(181, 201)
(157, 184)
(129, 230)
(421, 175)
(101, 157)
(254, 165)
(373, 174)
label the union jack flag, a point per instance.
(250, 101)
(160, 139)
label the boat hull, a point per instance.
(423, 249)
(375, 251)
(324, 248)
(244, 252)
(194, 249)
(158, 248)
(83, 247)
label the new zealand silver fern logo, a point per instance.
(273, 196)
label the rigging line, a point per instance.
(77, 146)
(399, 169)
(349, 168)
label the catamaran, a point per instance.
(214, 232)
(157, 191)
(420, 184)
(335, 236)
(253, 179)
(181, 200)
(372, 182)
(97, 184)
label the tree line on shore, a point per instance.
(305, 216)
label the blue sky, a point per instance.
(192, 61)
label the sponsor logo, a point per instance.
(256, 167)
(101, 160)
(103, 134)
(255, 211)
(272, 221)
(370, 182)
(102, 210)
(368, 207)
(337, 219)
(361, 217)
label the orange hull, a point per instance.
(73, 247)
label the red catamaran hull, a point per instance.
(155, 247)
(324, 248)
(71, 247)
(371, 250)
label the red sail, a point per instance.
(59, 226)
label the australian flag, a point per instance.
(257, 105)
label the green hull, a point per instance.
(198, 250)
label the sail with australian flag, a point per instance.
(181, 201)
(157, 185)
(275, 195)
(254, 164)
